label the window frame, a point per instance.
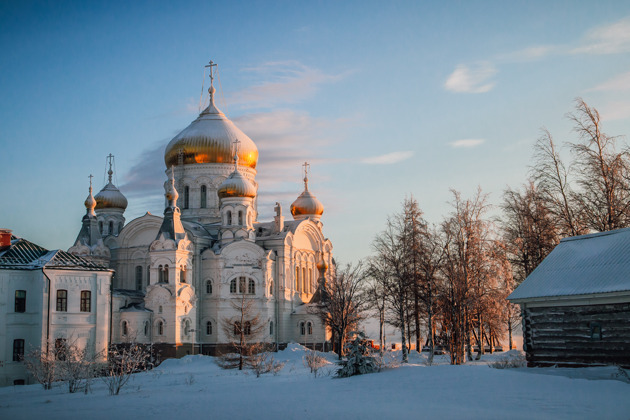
(18, 349)
(139, 278)
(86, 301)
(62, 301)
(20, 301)
(209, 328)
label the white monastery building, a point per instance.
(178, 277)
(175, 282)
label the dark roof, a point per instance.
(25, 255)
(581, 265)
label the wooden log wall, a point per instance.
(577, 335)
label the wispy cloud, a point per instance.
(532, 53)
(471, 78)
(617, 83)
(612, 38)
(281, 82)
(466, 143)
(388, 158)
(615, 110)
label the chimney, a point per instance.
(5, 238)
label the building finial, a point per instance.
(110, 160)
(236, 143)
(306, 166)
(171, 192)
(90, 202)
(211, 89)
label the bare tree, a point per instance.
(529, 229)
(75, 364)
(122, 361)
(552, 181)
(343, 302)
(602, 172)
(376, 294)
(243, 330)
(42, 365)
(394, 272)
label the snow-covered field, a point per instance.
(196, 388)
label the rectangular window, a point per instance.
(20, 301)
(86, 301)
(139, 277)
(62, 300)
(18, 350)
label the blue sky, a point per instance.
(384, 100)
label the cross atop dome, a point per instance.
(110, 160)
(211, 89)
(306, 167)
(236, 143)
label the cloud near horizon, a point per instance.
(388, 158)
(466, 143)
(471, 78)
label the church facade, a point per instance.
(182, 278)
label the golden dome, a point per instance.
(110, 197)
(236, 185)
(307, 205)
(209, 139)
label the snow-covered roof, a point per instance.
(25, 255)
(581, 265)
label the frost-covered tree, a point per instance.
(358, 359)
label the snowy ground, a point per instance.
(195, 387)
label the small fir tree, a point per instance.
(358, 360)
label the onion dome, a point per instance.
(236, 185)
(110, 196)
(307, 205)
(322, 265)
(209, 139)
(90, 202)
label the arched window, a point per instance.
(203, 197)
(100, 227)
(229, 217)
(139, 277)
(297, 278)
(251, 287)
(302, 328)
(209, 328)
(241, 284)
(166, 273)
(146, 328)
(310, 280)
(209, 287)
(247, 330)
(237, 328)
(309, 328)
(186, 196)
(271, 288)
(125, 329)
(160, 328)
(305, 289)
(111, 228)
(240, 218)
(271, 328)
(148, 275)
(187, 327)
(182, 273)
(160, 274)
(233, 286)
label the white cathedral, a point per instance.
(179, 277)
